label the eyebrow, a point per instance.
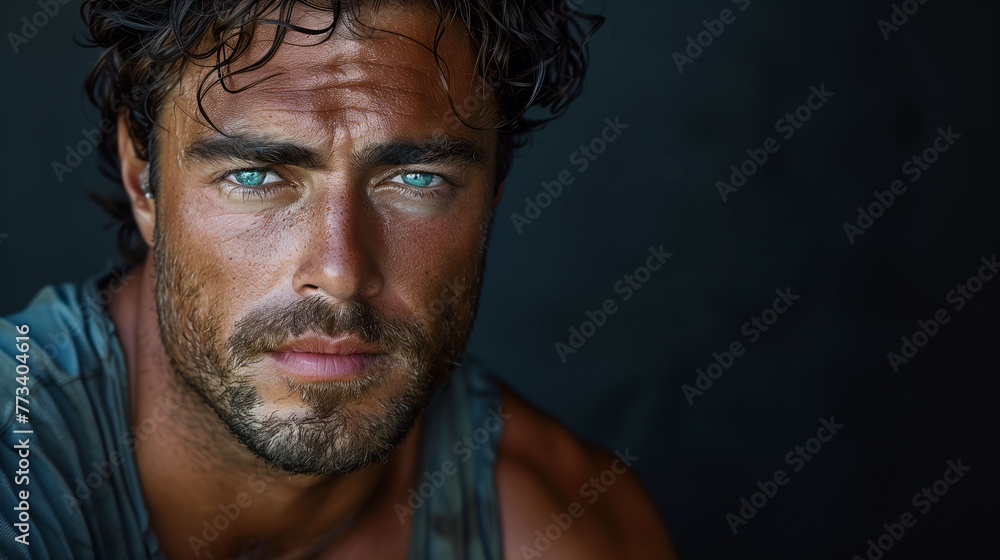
(440, 149)
(253, 149)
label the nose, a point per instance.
(339, 258)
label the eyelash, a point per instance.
(427, 193)
(259, 193)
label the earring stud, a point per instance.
(144, 182)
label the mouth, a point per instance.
(315, 358)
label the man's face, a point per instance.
(317, 271)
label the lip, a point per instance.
(315, 358)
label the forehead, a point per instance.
(382, 76)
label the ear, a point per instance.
(143, 208)
(496, 197)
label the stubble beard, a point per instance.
(341, 426)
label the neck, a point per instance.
(208, 496)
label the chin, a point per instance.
(328, 427)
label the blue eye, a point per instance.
(417, 179)
(252, 177)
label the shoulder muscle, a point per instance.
(561, 497)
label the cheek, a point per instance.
(233, 257)
(429, 255)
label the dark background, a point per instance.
(655, 185)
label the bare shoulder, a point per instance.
(561, 497)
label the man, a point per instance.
(282, 375)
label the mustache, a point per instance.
(266, 328)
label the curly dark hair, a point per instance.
(531, 53)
